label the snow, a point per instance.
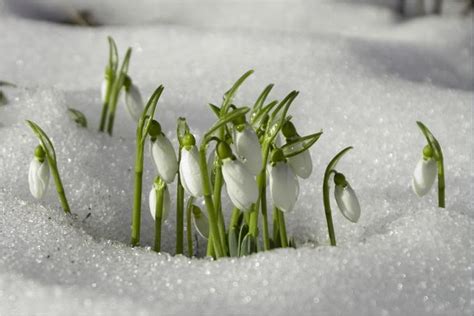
(364, 77)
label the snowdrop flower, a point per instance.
(38, 175)
(189, 171)
(163, 153)
(346, 198)
(425, 172)
(240, 183)
(166, 203)
(301, 163)
(247, 148)
(284, 187)
(133, 100)
(201, 224)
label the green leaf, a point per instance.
(233, 242)
(182, 128)
(44, 140)
(248, 246)
(145, 120)
(229, 95)
(257, 118)
(78, 117)
(278, 116)
(215, 109)
(261, 99)
(113, 55)
(7, 84)
(300, 144)
(224, 120)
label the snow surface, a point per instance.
(364, 77)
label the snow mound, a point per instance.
(363, 87)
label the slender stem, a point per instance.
(327, 210)
(441, 184)
(262, 188)
(60, 188)
(137, 194)
(105, 106)
(189, 231)
(276, 229)
(218, 206)
(282, 228)
(159, 213)
(179, 213)
(214, 229)
(253, 226)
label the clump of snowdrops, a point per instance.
(246, 153)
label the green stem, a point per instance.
(214, 229)
(282, 228)
(189, 230)
(105, 106)
(210, 252)
(218, 206)
(253, 227)
(137, 194)
(179, 212)
(60, 188)
(441, 184)
(327, 210)
(262, 188)
(159, 213)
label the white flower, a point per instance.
(134, 102)
(201, 224)
(189, 171)
(166, 203)
(38, 177)
(424, 176)
(103, 90)
(240, 183)
(301, 164)
(248, 149)
(347, 202)
(284, 187)
(164, 156)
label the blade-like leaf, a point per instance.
(215, 109)
(301, 144)
(438, 153)
(224, 120)
(229, 95)
(113, 54)
(233, 242)
(78, 117)
(44, 140)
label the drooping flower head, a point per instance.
(189, 171)
(346, 198)
(301, 163)
(425, 172)
(240, 183)
(284, 187)
(163, 153)
(152, 198)
(38, 175)
(133, 100)
(247, 146)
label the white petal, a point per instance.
(424, 176)
(134, 102)
(302, 164)
(248, 149)
(164, 156)
(201, 225)
(190, 173)
(103, 90)
(284, 187)
(166, 203)
(347, 202)
(38, 178)
(240, 183)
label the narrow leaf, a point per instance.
(300, 145)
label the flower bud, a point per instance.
(134, 102)
(164, 156)
(189, 171)
(38, 175)
(284, 187)
(248, 149)
(153, 201)
(201, 224)
(240, 184)
(346, 199)
(424, 176)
